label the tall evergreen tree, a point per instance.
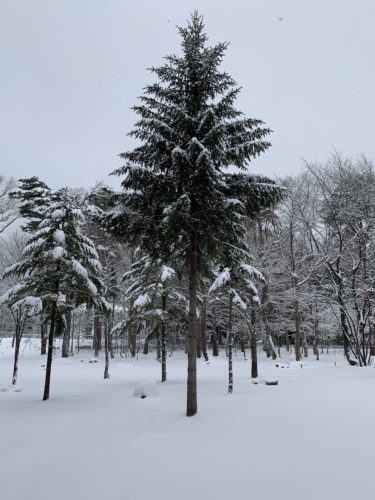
(60, 266)
(179, 199)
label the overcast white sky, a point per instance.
(71, 70)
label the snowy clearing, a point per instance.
(309, 437)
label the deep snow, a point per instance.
(310, 437)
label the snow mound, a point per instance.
(146, 389)
(10, 388)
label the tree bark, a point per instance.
(110, 337)
(97, 334)
(163, 339)
(191, 400)
(158, 345)
(132, 341)
(203, 330)
(230, 347)
(145, 346)
(253, 347)
(43, 338)
(51, 338)
(297, 343)
(199, 343)
(215, 347)
(106, 348)
(18, 337)
(66, 334)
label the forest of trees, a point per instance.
(193, 253)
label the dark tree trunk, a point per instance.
(151, 335)
(145, 346)
(191, 402)
(111, 324)
(215, 347)
(203, 338)
(304, 345)
(71, 351)
(163, 339)
(106, 348)
(132, 341)
(219, 335)
(66, 334)
(51, 338)
(345, 331)
(315, 349)
(199, 344)
(230, 347)
(253, 347)
(18, 337)
(97, 334)
(287, 342)
(158, 345)
(43, 338)
(297, 343)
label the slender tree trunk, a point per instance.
(51, 338)
(66, 334)
(43, 338)
(203, 330)
(230, 347)
(97, 334)
(111, 324)
(215, 347)
(304, 345)
(297, 343)
(145, 346)
(219, 335)
(18, 337)
(163, 342)
(71, 349)
(315, 348)
(253, 347)
(132, 341)
(191, 401)
(150, 336)
(344, 328)
(106, 348)
(266, 313)
(199, 344)
(158, 345)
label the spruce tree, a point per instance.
(179, 200)
(60, 266)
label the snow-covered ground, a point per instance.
(310, 437)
